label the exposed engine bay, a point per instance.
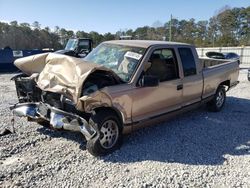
(28, 91)
(98, 80)
(56, 109)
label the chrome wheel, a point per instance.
(109, 134)
(220, 99)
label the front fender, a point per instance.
(100, 99)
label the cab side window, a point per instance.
(163, 64)
(188, 62)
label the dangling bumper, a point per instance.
(57, 118)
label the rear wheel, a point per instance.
(217, 103)
(109, 133)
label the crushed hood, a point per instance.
(32, 64)
(59, 73)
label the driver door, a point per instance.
(150, 102)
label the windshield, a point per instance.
(71, 44)
(123, 60)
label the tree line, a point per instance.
(228, 27)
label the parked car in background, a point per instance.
(119, 87)
(227, 55)
(78, 47)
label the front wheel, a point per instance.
(109, 133)
(217, 103)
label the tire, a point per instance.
(217, 103)
(109, 133)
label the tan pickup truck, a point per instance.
(119, 87)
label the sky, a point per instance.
(109, 15)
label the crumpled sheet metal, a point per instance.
(59, 73)
(97, 99)
(66, 75)
(105, 98)
(32, 64)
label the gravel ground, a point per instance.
(197, 149)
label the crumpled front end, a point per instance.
(52, 87)
(63, 74)
(51, 108)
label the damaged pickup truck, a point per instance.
(119, 87)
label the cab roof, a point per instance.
(144, 43)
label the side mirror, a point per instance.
(149, 81)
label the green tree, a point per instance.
(36, 25)
(229, 27)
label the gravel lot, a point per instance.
(197, 149)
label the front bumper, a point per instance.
(57, 118)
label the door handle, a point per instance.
(180, 87)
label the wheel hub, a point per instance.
(109, 134)
(220, 99)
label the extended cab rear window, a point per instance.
(187, 60)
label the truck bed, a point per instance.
(216, 72)
(209, 62)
